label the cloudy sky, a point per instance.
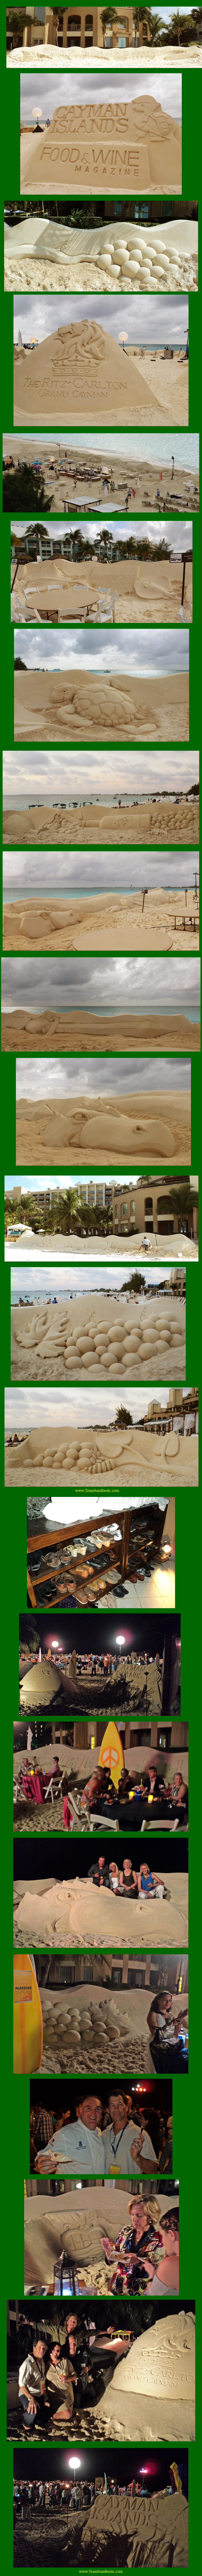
(53, 1281)
(177, 536)
(38, 316)
(99, 984)
(40, 94)
(35, 1181)
(145, 654)
(59, 773)
(30, 1408)
(33, 871)
(76, 1077)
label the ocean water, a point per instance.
(65, 1007)
(85, 894)
(18, 804)
(144, 447)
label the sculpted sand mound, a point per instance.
(147, 2524)
(133, 589)
(83, 706)
(79, 372)
(116, 919)
(153, 2390)
(72, 1911)
(40, 1686)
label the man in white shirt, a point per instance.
(79, 2148)
(127, 2149)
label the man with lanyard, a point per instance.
(123, 2143)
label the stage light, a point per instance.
(120, 1641)
(74, 2460)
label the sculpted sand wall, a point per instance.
(97, 1337)
(164, 821)
(73, 1910)
(87, 1458)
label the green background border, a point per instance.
(186, 2105)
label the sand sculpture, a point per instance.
(49, 922)
(71, 1029)
(82, 706)
(161, 820)
(91, 2038)
(89, 2215)
(144, 2531)
(152, 2392)
(120, 594)
(80, 2037)
(81, 372)
(129, 1684)
(69, 1910)
(114, 1125)
(91, 1456)
(130, 144)
(113, 255)
(97, 1338)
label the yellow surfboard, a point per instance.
(111, 1746)
(27, 2018)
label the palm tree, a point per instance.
(107, 18)
(182, 28)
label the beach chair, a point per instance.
(77, 1814)
(54, 1785)
(110, 1825)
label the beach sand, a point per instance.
(113, 2530)
(90, 1032)
(91, 2041)
(111, 921)
(101, 1458)
(81, 373)
(153, 2387)
(104, 144)
(59, 277)
(99, 1339)
(127, 591)
(64, 1912)
(67, 1130)
(58, 1247)
(84, 706)
(161, 820)
(90, 481)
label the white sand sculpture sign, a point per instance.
(130, 144)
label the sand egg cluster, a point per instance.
(100, 1337)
